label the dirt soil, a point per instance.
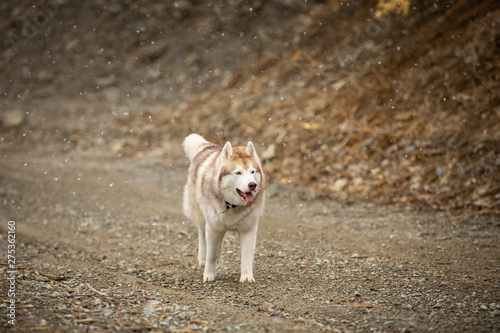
(93, 114)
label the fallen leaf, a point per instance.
(53, 277)
(312, 126)
(85, 321)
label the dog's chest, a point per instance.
(237, 218)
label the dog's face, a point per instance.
(240, 174)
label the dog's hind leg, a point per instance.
(202, 247)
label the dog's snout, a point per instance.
(252, 186)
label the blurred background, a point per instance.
(397, 101)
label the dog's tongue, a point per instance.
(248, 196)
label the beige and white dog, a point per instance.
(224, 192)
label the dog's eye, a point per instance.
(252, 172)
(238, 173)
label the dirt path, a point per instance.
(95, 100)
(102, 244)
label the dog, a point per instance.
(224, 192)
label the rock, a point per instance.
(265, 307)
(12, 119)
(269, 152)
(339, 185)
(357, 181)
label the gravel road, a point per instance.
(101, 244)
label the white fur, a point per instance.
(207, 191)
(192, 145)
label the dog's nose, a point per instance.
(252, 186)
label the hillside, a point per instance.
(350, 99)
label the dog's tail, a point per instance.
(192, 145)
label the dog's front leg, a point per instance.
(214, 242)
(247, 243)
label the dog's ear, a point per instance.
(227, 151)
(251, 149)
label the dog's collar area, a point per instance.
(228, 206)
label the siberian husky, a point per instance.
(224, 192)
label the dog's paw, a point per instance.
(201, 263)
(247, 279)
(209, 274)
(208, 277)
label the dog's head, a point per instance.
(240, 174)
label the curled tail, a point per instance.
(193, 144)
